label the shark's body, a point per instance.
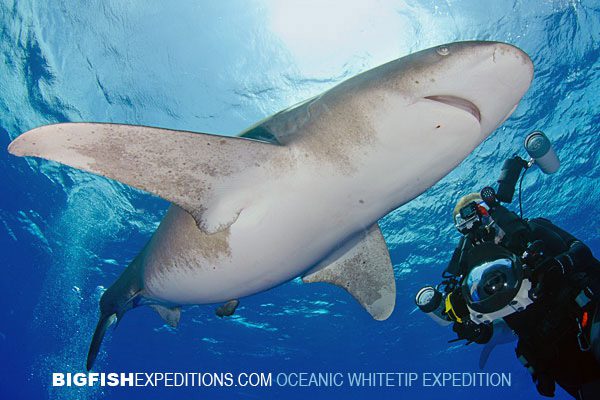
(249, 215)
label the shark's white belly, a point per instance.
(268, 245)
(278, 237)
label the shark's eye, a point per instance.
(443, 50)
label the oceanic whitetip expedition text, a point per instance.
(284, 379)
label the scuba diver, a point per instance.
(540, 280)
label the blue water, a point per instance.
(219, 67)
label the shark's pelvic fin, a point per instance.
(170, 315)
(364, 269)
(227, 309)
(207, 175)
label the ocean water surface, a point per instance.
(219, 67)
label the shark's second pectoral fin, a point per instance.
(210, 176)
(170, 315)
(485, 354)
(364, 269)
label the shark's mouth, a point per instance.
(460, 103)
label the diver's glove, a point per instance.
(576, 259)
(472, 332)
(547, 279)
(534, 255)
(553, 269)
(538, 263)
(546, 273)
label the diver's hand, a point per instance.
(472, 332)
(540, 267)
(547, 277)
(534, 255)
(554, 267)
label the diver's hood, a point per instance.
(494, 279)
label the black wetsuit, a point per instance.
(548, 329)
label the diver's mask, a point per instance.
(495, 286)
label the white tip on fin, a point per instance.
(170, 315)
(364, 269)
(192, 170)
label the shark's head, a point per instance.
(484, 79)
(432, 108)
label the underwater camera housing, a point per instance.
(496, 286)
(435, 301)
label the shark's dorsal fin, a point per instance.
(170, 315)
(364, 269)
(209, 176)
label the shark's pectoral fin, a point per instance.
(503, 334)
(170, 315)
(364, 269)
(220, 212)
(485, 354)
(210, 176)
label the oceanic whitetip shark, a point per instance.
(299, 193)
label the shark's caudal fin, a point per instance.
(105, 321)
(204, 174)
(123, 295)
(364, 269)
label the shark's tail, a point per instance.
(105, 321)
(170, 314)
(123, 295)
